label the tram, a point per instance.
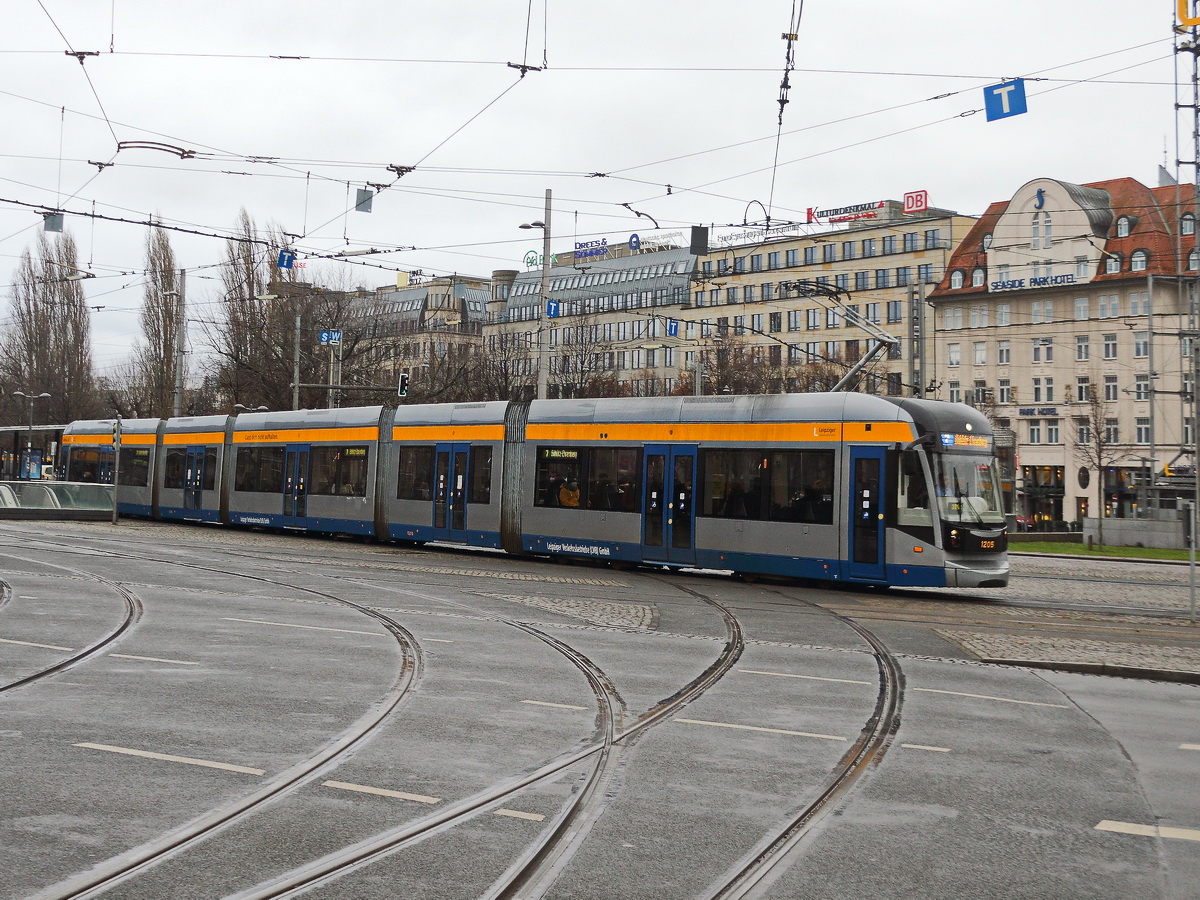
(839, 487)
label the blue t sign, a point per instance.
(672, 328)
(286, 258)
(1003, 100)
(552, 309)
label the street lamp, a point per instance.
(32, 398)
(542, 369)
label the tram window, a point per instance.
(481, 475)
(135, 466)
(776, 485)
(173, 474)
(84, 466)
(339, 471)
(259, 470)
(912, 506)
(414, 473)
(614, 479)
(560, 477)
(210, 469)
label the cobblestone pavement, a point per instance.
(1038, 648)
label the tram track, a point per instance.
(132, 613)
(117, 870)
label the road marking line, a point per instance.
(31, 644)
(809, 677)
(26, 597)
(382, 792)
(308, 627)
(168, 758)
(436, 641)
(554, 705)
(1182, 834)
(826, 737)
(986, 697)
(1189, 746)
(516, 814)
(174, 662)
(924, 747)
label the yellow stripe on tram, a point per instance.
(447, 433)
(197, 437)
(306, 435)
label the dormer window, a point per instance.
(1187, 224)
(1112, 264)
(1123, 226)
(956, 279)
(1041, 232)
(987, 242)
(1193, 259)
(977, 277)
(1138, 260)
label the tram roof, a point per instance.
(347, 417)
(490, 413)
(105, 426)
(823, 407)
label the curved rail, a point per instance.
(775, 852)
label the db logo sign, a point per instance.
(916, 201)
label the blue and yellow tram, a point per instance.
(836, 487)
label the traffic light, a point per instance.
(402, 389)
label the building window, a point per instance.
(1139, 303)
(1049, 390)
(895, 387)
(1052, 436)
(977, 277)
(889, 244)
(925, 273)
(833, 318)
(952, 318)
(883, 278)
(1110, 346)
(862, 281)
(1111, 390)
(987, 242)
(953, 354)
(814, 319)
(842, 280)
(955, 391)
(1082, 307)
(776, 322)
(1138, 261)
(847, 249)
(1005, 392)
(831, 350)
(956, 279)
(1187, 224)
(868, 247)
(1081, 348)
(1112, 431)
(1003, 314)
(768, 290)
(933, 239)
(1083, 388)
(829, 253)
(1081, 267)
(872, 310)
(756, 262)
(1041, 234)
(1193, 259)
(810, 256)
(1141, 344)
(895, 311)
(1037, 390)
(980, 350)
(1142, 426)
(1112, 264)
(910, 242)
(1042, 350)
(1141, 387)
(748, 293)
(1083, 431)
(1035, 431)
(1123, 225)
(979, 317)
(1003, 352)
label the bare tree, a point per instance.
(580, 366)
(47, 348)
(153, 374)
(503, 368)
(1097, 447)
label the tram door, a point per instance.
(668, 514)
(193, 482)
(867, 537)
(295, 486)
(450, 467)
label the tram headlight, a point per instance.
(955, 538)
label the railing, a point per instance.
(55, 500)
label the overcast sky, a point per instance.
(650, 93)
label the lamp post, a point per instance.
(542, 368)
(31, 398)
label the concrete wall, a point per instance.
(1162, 533)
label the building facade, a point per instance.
(1064, 315)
